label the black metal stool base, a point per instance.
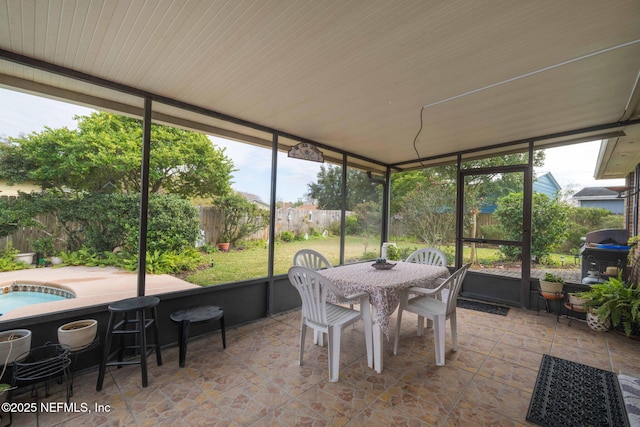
(137, 327)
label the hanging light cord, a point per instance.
(512, 79)
(415, 139)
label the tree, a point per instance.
(429, 212)
(240, 218)
(583, 220)
(425, 199)
(15, 213)
(105, 153)
(549, 224)
(327, 191)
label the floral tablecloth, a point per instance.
(383, 286)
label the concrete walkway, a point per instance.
(92, 286)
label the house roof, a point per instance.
(596, 193)
(389, 81)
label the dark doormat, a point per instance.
(482, 306)
(572, 394)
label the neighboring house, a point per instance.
(600, 197)
(12, 190)
(545, 184)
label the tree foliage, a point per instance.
(429, 212)
(327, 191)
(103, 222)
(104, 154)
(16, 213)
(241, 218)
(584, 220)
(549, 224)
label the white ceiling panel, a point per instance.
(352, 75)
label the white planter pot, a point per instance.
(594, 322)
(79, 334)
(551, 287)
(15, 349)
(55, 260)
(26, 257)
(576, 303)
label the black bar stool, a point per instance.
(137, 326)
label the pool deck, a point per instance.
(92, 286)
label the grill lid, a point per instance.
(610, 236)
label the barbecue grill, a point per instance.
(604, 254)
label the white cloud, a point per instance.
(574, 166)
(22, 113)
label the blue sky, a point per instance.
(22, 114)
(572, 166)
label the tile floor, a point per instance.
(256, 381)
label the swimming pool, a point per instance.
(21, 294)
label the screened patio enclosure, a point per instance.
(382, 88)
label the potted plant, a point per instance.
(393, 253)
(79, 334)
(577, 303)
(617, 302)
(240, 219)
(551, 286)
(45, 248)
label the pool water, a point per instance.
(13, 300)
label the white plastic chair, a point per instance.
(434, 309)
(315, 261)
(430, 256)
(325, 317)
(311, 259)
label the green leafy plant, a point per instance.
(549, 277)
(549, 224)
(166, 262)
(7, 262)
(44, 246)
(618, 301)
(287, 236)
(393, 252)
(240, 218)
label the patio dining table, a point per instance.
(384, 288)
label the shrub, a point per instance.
(370, 255)
(549, 224)
(351, 225)
(111, 220)
(241, 218)
(334, 228)
(404, 253)
(287, 236)
(7, 262)
(493, 232)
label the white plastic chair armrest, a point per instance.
(425, 291)
(358, 296)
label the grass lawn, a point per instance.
(251, 263)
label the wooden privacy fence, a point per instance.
(21, 239)
(295, 220)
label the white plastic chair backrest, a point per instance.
(454, 286)
(313, 289)
(311, 259)
(430, 256)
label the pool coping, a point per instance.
(92, 286)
